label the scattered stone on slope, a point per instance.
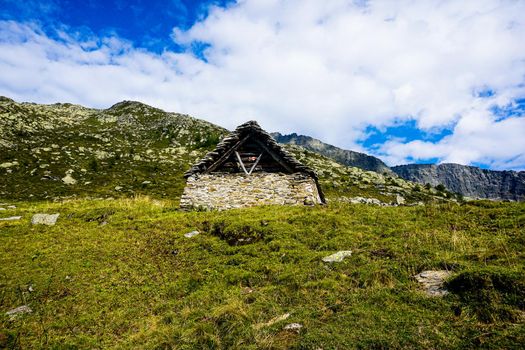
(293, 327)
(11, 207)
(191, 234)
(8, 165)
(400, 200)
(2, 209)
(11, 218)
(337, 257)
(363, 200)
(44, 219)
(68, 179)
(432, 281)
(14, 313)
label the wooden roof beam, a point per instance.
(226, 155)
(274, 156)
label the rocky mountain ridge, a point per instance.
(345, 157)
(469, 181)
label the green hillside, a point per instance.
(63, 151)
(121, 274)
(108, 152)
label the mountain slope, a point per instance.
(60, 150)
(63, 150)
(467, 180)
(345, 157)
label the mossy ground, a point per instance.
(121, 274)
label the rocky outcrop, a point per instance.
(468, 180)
(342, 156)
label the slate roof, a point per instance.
(253, 129)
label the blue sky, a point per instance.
(147, 24)
(408, 81)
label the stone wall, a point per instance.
(226, 191)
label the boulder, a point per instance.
(44, 219)
(69, 180)
(293, 327)
(191, 234)
(433, 281)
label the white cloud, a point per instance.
(327, 69)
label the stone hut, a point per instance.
(247, 168)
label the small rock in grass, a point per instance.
(2, 209)
(11, 218)
(432, 282)
(44, 219)
(11, 207)
(191, 234)
(294, 327)
(337, 257)
(14, 313)
(69, 180)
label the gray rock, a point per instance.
(11, 218)
(362, 200)
(400, 199)
(11, 207)
(191, 234)
(14, 313)
(8, 165)
(294, 327)
(69, 180)
(2, 209)
(432, 282)
(44, 219)
(337, 257)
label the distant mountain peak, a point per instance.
(345, 157)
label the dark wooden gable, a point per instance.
(251, 156)
(249, 140)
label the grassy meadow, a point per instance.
(121, 274)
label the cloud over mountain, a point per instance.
(327, 69)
